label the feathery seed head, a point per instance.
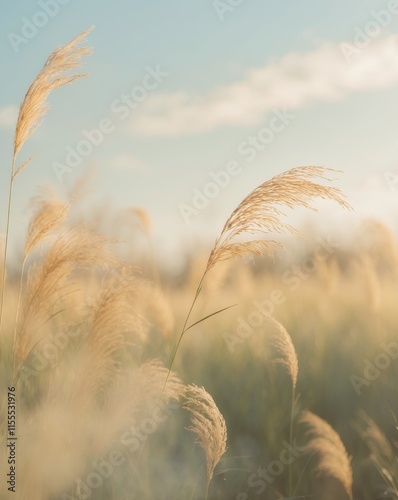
(326, 444)
(282, 343)
(208, 424)
(35, 104)
(260, 212)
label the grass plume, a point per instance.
(33, 109)
(53, 76)
(283, 347)
(327, 446)
(261, 213)
(382, 453)
(49, 213)
(286, 356)
(74, 249)
(209, 426)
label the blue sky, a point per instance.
(228, 71)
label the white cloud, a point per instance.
(8, 116)
(128, 163)
(292, 82)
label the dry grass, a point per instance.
(35, 104)
(74, 250)
(49, 213)
(105, 380)
(382, 452)
(282, 345)
(327, 446)
(208, 424)
(31, 113)
(261, 211)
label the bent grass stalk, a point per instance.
(326, 445)
(209, 425)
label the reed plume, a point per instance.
(114, 327)
(326, 444)
(282, 344)
(49, 213)
(48, 281)
(143, 219)
(208, 424)
(382, 453)
(32, 111)
(286, 356)
(261, 213)
(35, 104)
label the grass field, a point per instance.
(254, 373)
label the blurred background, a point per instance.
(187, 89)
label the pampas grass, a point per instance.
(285, 355)
(35, 104)
(209, 426)
(261, 213)
(74, 249)
(32, 111)
(327, 446)
(382, 453)
(114, 328)
(283, 347)
(49, 213)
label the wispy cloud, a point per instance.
(128, 163)
(292, 82)
(8, 116)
